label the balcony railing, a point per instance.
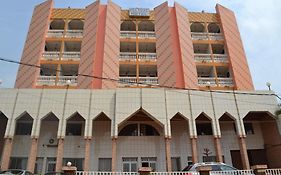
(127, 56)
(74, 34)
(215, 36)
(225, 81)
(199, 36)
(203, 58)
(127, 81)
(46, 80)
(67, 80)
(75, 56)
(55, 33)
(146, 35)
(128, 34)
(50, 55)
(220, 58)
(207, 81)
(148, 80)
(147, 56)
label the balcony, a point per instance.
(71, 56)
(215, 36)
(128, 34)
(146, 35)
(207, 81)
(51, 55)
(67, 80)
(199, 36)
(127, 56)
(46, 80)
(74, 34)
(148, 80)
(147, 56)
(225, 81)
(203, 58)
(220, 58)
(55, 33)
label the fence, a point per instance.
(273, 171)
(233, 172)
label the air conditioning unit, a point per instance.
(52, 142)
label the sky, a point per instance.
(258, 22)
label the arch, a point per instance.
(57, 24)
(146, 26)
(138, 129)
(141, 115)
(101, 117)
(128, 26)
(24, 124)
(197, 27)
(75, 125)
(214, 28)
(179, 117)
(3, 126)
(50, 117)
(259, 116)
(203, 117)
(75, 24)
(75, 117)
(227, 117)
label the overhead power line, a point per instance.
(131, 82)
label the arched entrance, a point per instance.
(3, 124)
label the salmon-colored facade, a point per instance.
(104, 47)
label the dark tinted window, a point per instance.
(23, 128)
(74, 129)
(215, 168)
(227, 168)
(204, 128)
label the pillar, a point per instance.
(217, 141)
(114, 147)
(7, 150)
(168, 154)
(194, 149)
(243, 152)
(32, 155)
(59, 154)
(87, 154)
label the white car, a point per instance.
(216, 166)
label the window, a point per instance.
(74, 129)
(130, 164)
(176, 164)
(226, 168)
(249, 129)
(51, 164)
(149, 162)
(18, 163)
(23, 128)
(189, 160)
(78, 162)
(209, 158)
(204, 128)
(38, 165)
(105, 164)
(138, 130)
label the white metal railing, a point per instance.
(233, 172)
(67, 80)
(46, 80)
(202, 58)
(74, 34)
(199, 36)
(50, 55)
(215, 36)
(176, 173)
(55, 33)
(124, 81)
(146, 34)
(148, 80)
(71, 56)
(127, 56)
(105, 173)
(273, 171)
(206, 81)
(225, 81)
(147, 56)
(220, 58)
(128, 34)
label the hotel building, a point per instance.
(115, 90)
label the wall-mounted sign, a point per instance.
(142, 12)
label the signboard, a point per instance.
(141, 12)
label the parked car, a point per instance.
(216, 166)
(16, 171)
(54, 173)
